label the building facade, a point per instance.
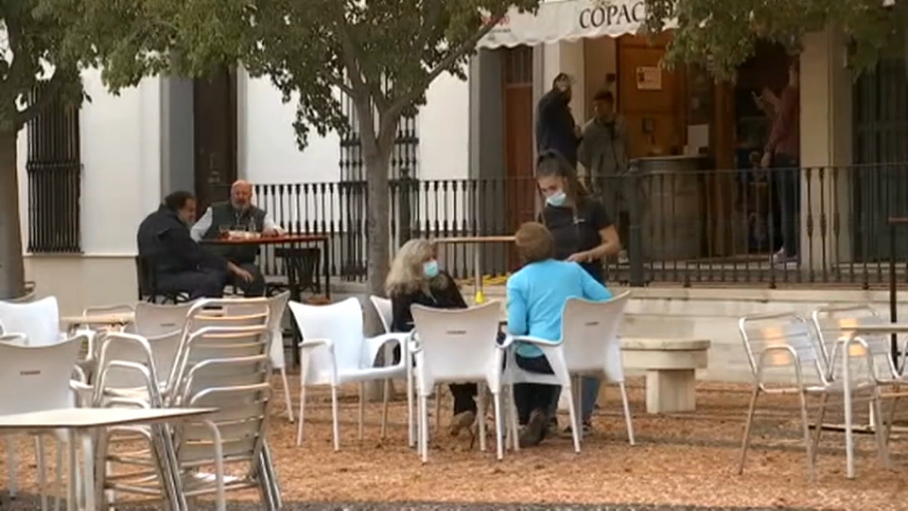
(168, 134)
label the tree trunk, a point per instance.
(12, 271)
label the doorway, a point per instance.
(214, 101)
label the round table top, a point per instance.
(110, 318)
(664, 344)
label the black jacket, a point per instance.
(555, 126)
(440, 297)
(164, 241)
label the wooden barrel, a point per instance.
(674, 216)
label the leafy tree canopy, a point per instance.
(385, 52)
(720, 34)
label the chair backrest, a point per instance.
(276, 307)
(302, 265)
(35, 378)
(158, 358)
(212, 313)
(342, 324)
(146, 277)
(773, 338)
(832, 323)
(38, 320)
(458, 343)
(153, 320)
(219, 344)
(241, 417)
(589, 334)
(384, 310)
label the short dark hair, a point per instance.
(604, 95)
(534, 243)
(177, 200)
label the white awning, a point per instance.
(567, 20)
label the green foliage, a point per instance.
(381, 52)
(720, 34)
(33, 69)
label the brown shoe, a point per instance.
(534, 431)
(461, 421)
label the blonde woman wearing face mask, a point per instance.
(415, 278)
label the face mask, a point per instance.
(430, 269)
(557, 199)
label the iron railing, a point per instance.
(709, 227)
(54, 170)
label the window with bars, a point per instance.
(54, 170)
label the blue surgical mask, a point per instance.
(430, 268)
(557, 199)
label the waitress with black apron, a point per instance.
(583, 233)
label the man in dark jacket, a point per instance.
(238, 213)
(555, 126)
(180, 264)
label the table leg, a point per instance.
(71, 501)
(477, 261)
(849, 433)
(327, 251)
(88, 478)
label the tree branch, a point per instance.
(54, 85)
(465, 47)
(354, 59)
(340, 84)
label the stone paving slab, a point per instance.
(30, 503)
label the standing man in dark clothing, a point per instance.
(238, 214)
(180, 264)
(555, 126)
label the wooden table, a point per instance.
(83, 422)
(477, 259)
(100, 320)
(285, 239)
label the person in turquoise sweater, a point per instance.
(535, 304)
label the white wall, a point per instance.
(270, 151)
(444, 130)
(121, 159)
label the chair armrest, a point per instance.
(507, 343)
(845, 343)
(372, 346)
(311, 344)
(533, 340)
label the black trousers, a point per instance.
(464, 397)
(199, 283)
(533, 396)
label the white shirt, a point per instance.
(201, 227)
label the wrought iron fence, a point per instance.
(709, 227)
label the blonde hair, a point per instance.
(406, 275)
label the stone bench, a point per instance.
(671, 366)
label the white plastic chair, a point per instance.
(334, 352)
(454, 346)
(154, 319)
(46, 372)
(277, 305)
(39, 321)
(385, 311)
(592, 346)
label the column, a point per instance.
(826, 150)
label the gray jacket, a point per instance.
(603, 151)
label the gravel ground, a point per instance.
(683, 461)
